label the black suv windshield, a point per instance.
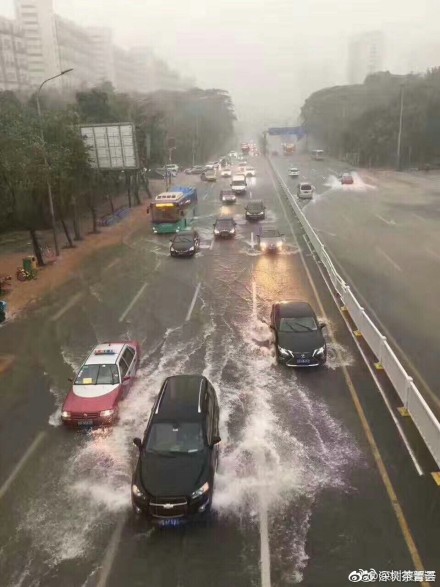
(173, 437)
(306, 186)
(299, 324)
(183, 238)
(223, 224)
(255, 207)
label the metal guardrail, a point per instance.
(421, 414)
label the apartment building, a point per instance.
(14, 70)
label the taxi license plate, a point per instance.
(85, 422)
(303, 361)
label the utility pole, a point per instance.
(399, 136)
(46, 162)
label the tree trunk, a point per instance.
(128, 186)
(36, 246)
(91, 204)
(67, 233)
(136, 189)
(110, 199)
(76, 225)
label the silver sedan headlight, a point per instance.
(172, 249)
(191, 249)
(136, 491)
(216, 231)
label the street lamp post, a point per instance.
(46, 163)
(399, 136)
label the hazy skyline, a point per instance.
(268, 54)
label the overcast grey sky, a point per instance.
(268, 53)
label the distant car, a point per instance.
(188, 170)
(173, 167)
(210, 165)
(101, 383)
(305, 191)
(197, 170)
(185, 244)
(299, 341)
(250, 171)
(270, 240)
(226, 172)
(227, 197)
(224, 227)
(178, 456)
(293, 172)
(165, 171)
(209, 175)
(255, 210)
(239, 184)
(346, 178)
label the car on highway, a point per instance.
(172, 167)
(293, 172)
(224, 227)
(197, 169)
(270, 240)
(227, 197)
(185, 244)
(239, 184)
(188, 170)
(346, 178)
(173, 481)
(250, 171)
(298, 337)
(209, 175)
(305, 191)
(255, 210)
(226, 172)
(102, 382)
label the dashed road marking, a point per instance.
(33, 447)
(112, 264)
(110, 552)
(388, 258)
(73, 300)
(385, 221)
(136, 297)
(193, 302)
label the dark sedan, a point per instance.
(224, 227)
(185, 244)
(299, 341)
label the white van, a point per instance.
(238, 184)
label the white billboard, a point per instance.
(111, 146)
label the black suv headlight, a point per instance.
(200, 491)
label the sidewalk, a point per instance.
(13, 249)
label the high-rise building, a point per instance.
(103, 54)
(365, 56)
(14, 70)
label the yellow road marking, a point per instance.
(436, 477)
(404, 527)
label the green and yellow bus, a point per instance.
(173, 211)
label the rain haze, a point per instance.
(269, 55)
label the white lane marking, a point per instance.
(373, 374)
(193, 302)
(205, 196)
(136, 297)
(389, 222)
(212, 244)
(73, 300)
(418, 217)
(4, 488)
(252, 239)
(110, 553)
(388, 258)
(254, 298)
(250, 195)
(113, 263)
(433, 253)
(264, 537)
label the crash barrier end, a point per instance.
(413, 402)
(357, 333)
(403, 412)
(436, 477)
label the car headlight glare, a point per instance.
(263, 245)
(279, 243)
(106, 413)
(66, 415)
(283, 352)
(172, 249)
(136, 491)
(200, 491)
(232, 230)
(191, 249)
(319, 351)
(216, 231)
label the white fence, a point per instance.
(421, 414)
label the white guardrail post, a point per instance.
(412, 400)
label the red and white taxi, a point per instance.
(102, 382)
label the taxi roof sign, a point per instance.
(105, 352)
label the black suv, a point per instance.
(178, 456)
(185, 244)
(255, 210)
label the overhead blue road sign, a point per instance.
(287, 130)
